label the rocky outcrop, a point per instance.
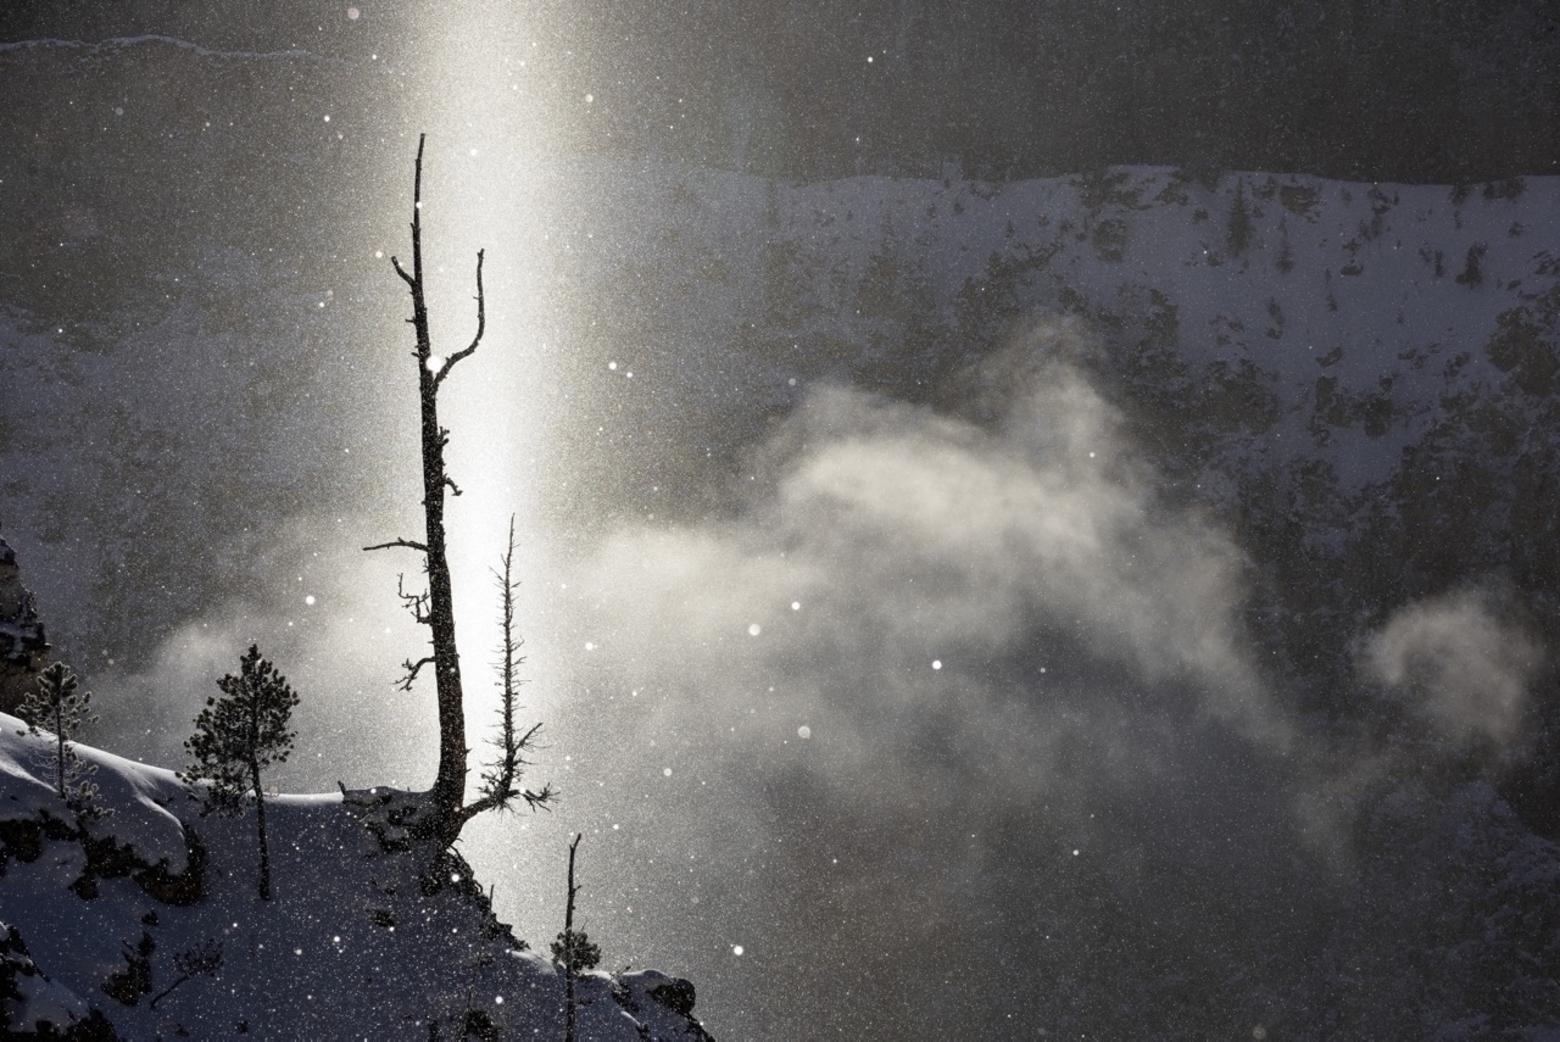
(23, 644)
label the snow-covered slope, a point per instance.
(358, 943)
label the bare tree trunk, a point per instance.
(449, 787)
(254, 780)
(265, 848)
(568, 949)
(59, 739)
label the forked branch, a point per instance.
(449, 363)
(415, 603)
(412, 669)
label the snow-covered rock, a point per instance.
(358, 942)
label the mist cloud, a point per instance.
(979, 572)
(1463, 666)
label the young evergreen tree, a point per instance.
(239, 734)
(1238, 232)
(572, 948)
(59, 705)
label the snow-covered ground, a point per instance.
(357, 943)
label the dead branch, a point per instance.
(449, 363)
(408, 543)
(412, 669)
(416, 603)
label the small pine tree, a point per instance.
(572, 948)
(575, 948)
(236, 736)
(59, 705)
(1238, 232)
(1286, 257)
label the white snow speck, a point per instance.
(612, 366)
(666, 772)
(353, 14)
(796, 605)
(804, 732)
(736, 949)
(434, 363)
(590, 99)
(754, 629)
(309, 600)
(937, 663)
(590, 645)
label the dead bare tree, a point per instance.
(447, 809)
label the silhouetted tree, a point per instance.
(239, 734)
(59, 704)
(572, 948)
(1238, 232)
(202, 960)
(447, 810)
(499, 781)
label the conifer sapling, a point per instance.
(239, 733)
(59, 705)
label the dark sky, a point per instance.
(800, 698)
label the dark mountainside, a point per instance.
(1428, 93)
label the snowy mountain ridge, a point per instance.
(1356, 309)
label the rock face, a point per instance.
(22, 641)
